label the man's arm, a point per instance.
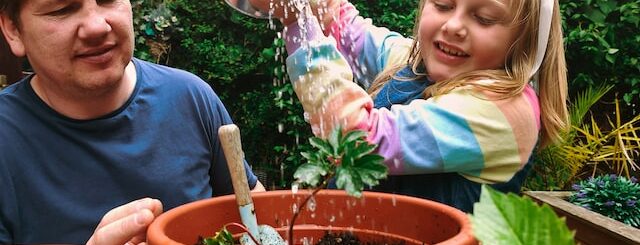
(259, 187)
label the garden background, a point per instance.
(242, 59)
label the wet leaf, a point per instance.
(509, 219)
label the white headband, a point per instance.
(546, 13)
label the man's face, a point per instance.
(78, 46)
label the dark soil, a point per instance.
(334, 239)
(350, 239)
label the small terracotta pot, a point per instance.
(376, 217)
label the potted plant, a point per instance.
(310, 214)
(602, 210)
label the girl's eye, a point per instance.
(485, 21)
(442, 6)
(105, 1)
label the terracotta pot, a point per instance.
(376, 217)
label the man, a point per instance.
(95, 128)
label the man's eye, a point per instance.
(63, 11)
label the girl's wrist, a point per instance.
(295, 35)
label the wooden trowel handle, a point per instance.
(230, 139)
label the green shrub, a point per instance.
(610, 195)
(603, 45)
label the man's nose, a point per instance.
(94, 25)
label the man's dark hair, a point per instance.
(11, 8)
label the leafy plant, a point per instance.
(606, 32)
(155, 25)
(224, 237)
(348, 158)
(508, 219)
(587, 149)
(613, 196)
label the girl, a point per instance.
(463, 111)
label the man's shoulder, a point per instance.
(159, 71)
(13, 93)
(160, 75)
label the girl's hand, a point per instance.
(325, 10)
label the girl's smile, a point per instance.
(449, 54)
(459, 36)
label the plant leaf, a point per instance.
(321, 145)
(353, 176)
(311, 174)
(349, 180)
(509, 219)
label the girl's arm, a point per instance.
(368, 49)
(462, 131)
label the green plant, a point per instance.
(155, 25)
(349, 158)
(224, 237)
(588, 149)
(508, 219)
(613, 196)
(605, 31)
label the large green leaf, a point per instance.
(511, 220)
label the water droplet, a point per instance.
(294, 188)
(311, 205)
(280, 127)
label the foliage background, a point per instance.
(242, 59)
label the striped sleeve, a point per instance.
(368, 49)
(465, 131)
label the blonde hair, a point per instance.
(512, 80)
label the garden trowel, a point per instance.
(266, 235)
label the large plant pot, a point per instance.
(591, 228)
(376, 217)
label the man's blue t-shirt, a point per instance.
(59, 176)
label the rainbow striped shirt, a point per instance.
(465, 131)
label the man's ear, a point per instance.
(12, 35)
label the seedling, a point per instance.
(347, 158)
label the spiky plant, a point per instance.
(586, 149)
(613, 196)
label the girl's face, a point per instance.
(458, 36)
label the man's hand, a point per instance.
(126, 224)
